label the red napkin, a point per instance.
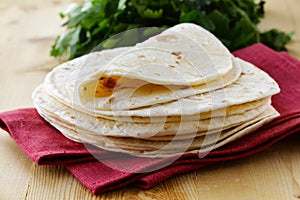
(45, 145)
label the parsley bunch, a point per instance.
(234, 22)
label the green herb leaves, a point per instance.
(234, 22)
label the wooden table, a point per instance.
(27, 30)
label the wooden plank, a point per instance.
(15, 169)
(284, 15)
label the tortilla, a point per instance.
(136, 93)
(106, 127)
(235, 109)
(246, 87)
(148, 148)
(164, 60)
(61, 84)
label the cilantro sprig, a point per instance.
(234, 22)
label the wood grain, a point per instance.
(27, 30)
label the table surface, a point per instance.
(27, 30)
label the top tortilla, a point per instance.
(143, 78)
(184, 55)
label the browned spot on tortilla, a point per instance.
(176, 53)
(177, 62)
(166, 38)
(179, 57)
(111, 100)
(141, 56)
(110, 82)
(106, 86)
(172, 66)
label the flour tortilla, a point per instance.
(203, 64)
(235, 109)
(150, 145)
(103, 126)
(208, 145)
(192, 61)
(253, 84)
(136, 93)
(163, 149)
(62, 82)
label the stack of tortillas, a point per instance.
(179, 91)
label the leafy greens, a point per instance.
(234, 22)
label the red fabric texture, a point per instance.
(45, 145)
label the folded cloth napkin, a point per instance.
(45, 145)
